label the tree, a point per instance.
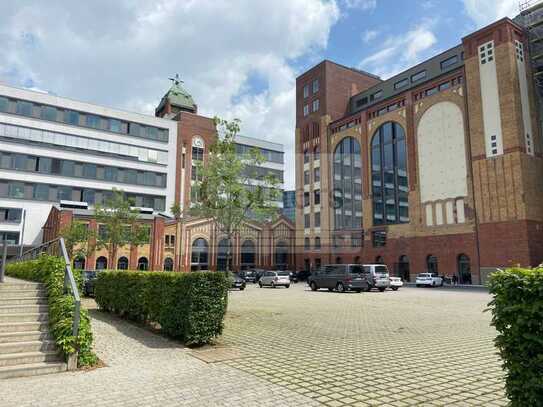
(224, 191)
(77, 238)
(177, 213)
(119, 226)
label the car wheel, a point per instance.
(358, 290)
(382, 289)
(287, 286)
(313, 286)
(242, 288)
(340, 288)
(260, 284)
(272, 285)
(330, 289)
(433, 283)
(394, 288)
(368, 288)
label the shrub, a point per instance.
(188, 306)
(50, 271)
(517, 314)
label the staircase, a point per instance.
(26, 347)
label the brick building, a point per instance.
(438, 168)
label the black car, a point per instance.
(237, 282)
(250, 276)
(293, 276)
(303, 275)
(88, 283)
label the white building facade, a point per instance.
(55, 150)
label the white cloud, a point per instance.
(484, 12)
(360, 4)
(369, 35)
(120, 53)
(401, 52)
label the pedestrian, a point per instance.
(455, 279)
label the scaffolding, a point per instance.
(531, 17)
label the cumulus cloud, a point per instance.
(120, 53)
(402, 51)
(360, 4)
(369, 35)
(484, 12)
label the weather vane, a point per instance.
(176, 80)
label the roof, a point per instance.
(178, 96)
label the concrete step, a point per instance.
(26, 317)
(24, 347)
(33, 369)
(23, 301)
(41, 326)
(23, 308)
(23, 293)
(27, 285)
(14, 359)
(24, 336)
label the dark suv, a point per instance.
(340, 277)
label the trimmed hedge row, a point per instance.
(50, 271)
(517, 314)
(188, 306)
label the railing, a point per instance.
(57, 247)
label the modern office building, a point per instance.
(289, 205)
(438, 168)
(62, 152)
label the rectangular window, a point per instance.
(4, 104)
(134, 129)
(316, 105)
(418, 76)
(317, 197)
(89, 196)
(379, 238)
(431, 91)
(41, 192)
(315, 86)
(89, 171)
(11, 238)
(401, 84)
(306, 156)
(317, 219)
(24, 108)
(362, 102)
(67, 168)
(317, 174)
(111, 174)
(307, 243)
(49, 113)
(16, 190)
(307, 221)
(71, 117)
(19, 162)
(357, 240)
(45, 165)
(306, 110)
(64, 193)
(377, 94)
(93, 121)
(115, 125)
(444, 86)
(306, 91)
(449, 62)
(307, 179)
(102, 232)
(306, 199)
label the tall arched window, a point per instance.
(281, 255)
(389, 175)
(79, 263)
(464, 269)
(101, 263)
(122, 263)
(168, 264)
(248, 254)
(199, 255)
(222, 255)
(143, 264)
(431, 264)
(347, 185)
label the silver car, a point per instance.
(275, 279)
(378, 276)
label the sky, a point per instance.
(238, 58)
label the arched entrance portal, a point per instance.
(222, 255)
(403, 268)
(101, 263)
(248, 255)
(281, 255)
(431, 264)
(464, 269)
(199, 255)
(168, 264)
(122, 264)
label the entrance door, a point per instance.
(403, 268)
(464, 269)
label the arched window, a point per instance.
(101, 263)
(122, 263)
(79, 263)
(389, 175)
(248, 252)
(199, 256)
(316, 153)
(143, 264)
(464, 269)
(347, 185)
(168, 264)
(431, 264)
(403, 268)
(222, 255)
(281, 255)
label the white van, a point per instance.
(378, 276)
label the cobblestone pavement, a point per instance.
(415, 346)
(294, 347)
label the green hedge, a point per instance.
(517, 314)
(188, 306)
(50, 271)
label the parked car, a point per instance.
(340, 277)
(395, 283)
(428, 280)
(88, 282)
(275, 279)
(293, 276)
(237, 281)
(303, 275)
(250, 276)
(378, 276)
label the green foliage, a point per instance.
(121, 225)
(76, 237)
(50, 271)
(517, 314)
(188, 306)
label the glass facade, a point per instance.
(389, 175)
(347, 185)
(269, 155)
(56, 114)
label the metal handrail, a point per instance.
(57, 247)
